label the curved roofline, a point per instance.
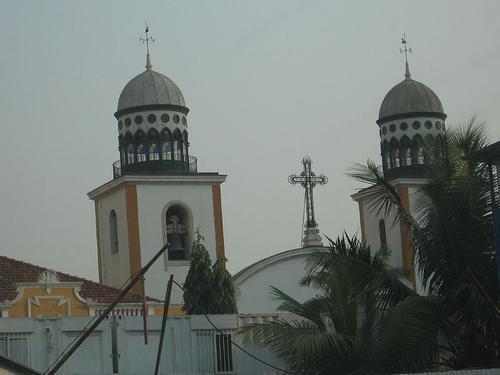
(262, 264)
(400, 116)
(152, 107)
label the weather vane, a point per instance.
(405, 49)
(147, 38)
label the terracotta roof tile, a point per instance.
(15, 271)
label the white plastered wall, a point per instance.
(414, 195)
(393, 233)
(115, 268)
(254, 290)
(151, 201)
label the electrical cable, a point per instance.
(84, 329)
(240, 347)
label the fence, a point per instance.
(191, 345)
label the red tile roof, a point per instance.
(15, 271)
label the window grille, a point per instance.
(15, 346)
(215, 355)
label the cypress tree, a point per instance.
(208, 290)
(198, 294)
(223, 289)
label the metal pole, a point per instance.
(105, 313)
(144, 311)
(164, 322)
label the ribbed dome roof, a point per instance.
(149, 88)
(409, 96)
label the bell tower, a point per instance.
(157, 195)
(410, 116)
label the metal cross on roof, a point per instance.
(308, 180)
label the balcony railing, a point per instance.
(170, 164)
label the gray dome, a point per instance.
(410, 96)
(150, 88)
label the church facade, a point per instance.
(157, 195)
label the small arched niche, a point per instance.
(113, 232)
(178, 231)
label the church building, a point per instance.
(157, 195)
(409, 114)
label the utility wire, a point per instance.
(240, 347)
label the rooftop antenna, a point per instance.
(147, 38)
(405, 49)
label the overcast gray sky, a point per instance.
(267, 82)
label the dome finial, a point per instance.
(406, 50)
(146, 40)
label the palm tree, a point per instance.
(453, 243)
(364, 319)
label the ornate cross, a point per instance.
(308, 180)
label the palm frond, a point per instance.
(380, 195)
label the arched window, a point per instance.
(166, 151)
(130, 154)
(407, 155)
(382, 234)
(420, 155)
(388, 160)
(177, 233)
(123, 158)
(141, 153)
(178, 150)
(113, 232)
(395, 158)
(154, 152)
(186, 143)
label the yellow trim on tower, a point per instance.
(362, 221)
(219, 230)
(406, 237)
(98, 236)
(134, 244)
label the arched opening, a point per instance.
(123, 157)
(186, 144)
(394, 153)
(178, 146)
(406, 156)
(418, 149)
(386, 160)
(382, 234)
(420, 155)
(154, 152)
(166, 150)
(130, 154)
(141, 153)
(113, 232)
(178, 225)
